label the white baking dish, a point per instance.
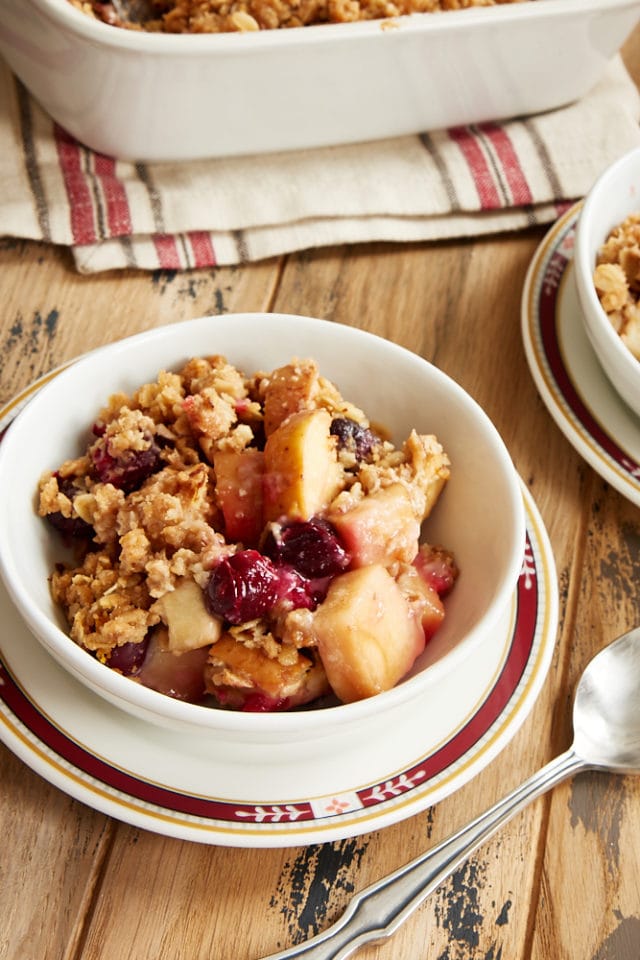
(168, 97)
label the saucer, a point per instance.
(565, 368)
(191, 787)
(152, 779)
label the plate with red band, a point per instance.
(566, 370)
(188, 787)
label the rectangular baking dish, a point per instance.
(158, 97)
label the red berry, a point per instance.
(128, 657)
(354, 437)
(129, 470)
(242, 587)
(74, 527)
(311, 547)
(261, 703)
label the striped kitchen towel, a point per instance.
(490, 177)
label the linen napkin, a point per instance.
(473, 180)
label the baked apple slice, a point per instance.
(189, 624)
(239, 481)
(367, 634)
(381, 528)
(302, 474)
(290, 389)
(423, 599)
(245, 678)
(177, 675)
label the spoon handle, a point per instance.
(379, 910)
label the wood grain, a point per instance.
(558, 883)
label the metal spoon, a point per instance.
(606, 724)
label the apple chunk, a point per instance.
(189, 623)
(381, 528)
(177, 675)
(302, 474)
(246, 678)
(239, 478)
(367, 634)
(290, 389)
(423, 599)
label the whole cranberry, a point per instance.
(128, 470)
(352, 436)
(311, 547)
(74, 527)
(242, 587)
(128, 657)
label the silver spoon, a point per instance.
(606, 724)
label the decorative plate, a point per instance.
(186, 786)
(566, 371)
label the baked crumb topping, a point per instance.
(232, 16)
(617, 281)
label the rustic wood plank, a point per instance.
(53, 852)
(591, 888)
(50, 314)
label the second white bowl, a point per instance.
(614, 196)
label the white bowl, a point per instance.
(480, 515)
(612, 198)
(158, 97)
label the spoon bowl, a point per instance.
(606, 710)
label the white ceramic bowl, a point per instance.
(613, 197)
(480, 515)
(170, 97)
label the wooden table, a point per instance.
(561, 882)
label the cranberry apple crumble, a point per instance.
(232, 16)
(250, 541)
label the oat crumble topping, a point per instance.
(229, 16)
(617, 281)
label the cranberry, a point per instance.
(128, 657)
(296, 591)
(242, 587)
(71, 528)
(354, 437)
(249, 585)
(311, 547)
(127, 471)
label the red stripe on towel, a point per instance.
(167, 251)
(118, 213)
(81, 209)
(518, 186)
(204, 254)
(476, 161)
(562, 206)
